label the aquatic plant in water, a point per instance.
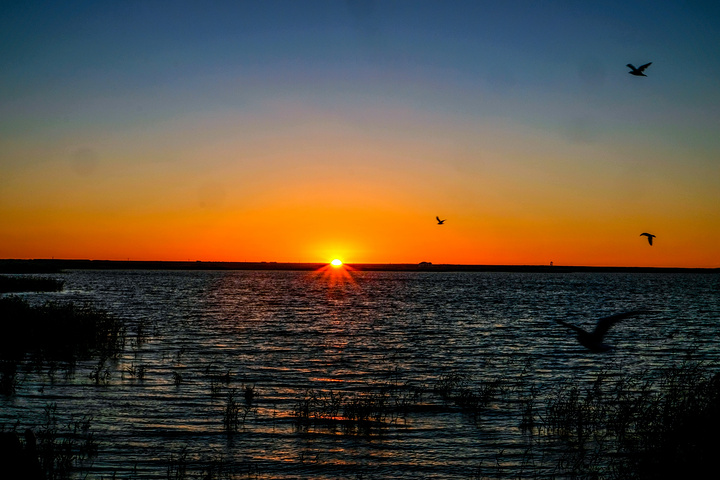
(58, 331)
(638, 426)
(55, 333)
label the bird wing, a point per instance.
(570, 325)
(604, 324)
(438, 219)
(643, 67)
(631, 66)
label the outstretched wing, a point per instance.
(643, 67)
(631, 66)
(570, 325)
(604, 324)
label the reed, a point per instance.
(8, 376)
(217, 379)
(231, 414)
(365, 413)
(14, 284)
(135, 371)
(177, 466)
(58, 331)
(456, 389)
(55, 335)
(652, 425)
(52, 451)
(100, 373)
(182, 467)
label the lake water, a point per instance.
(370, 338)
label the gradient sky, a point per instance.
(308, 130)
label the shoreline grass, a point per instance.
(15, 284)
(58, 331)
(54, 333)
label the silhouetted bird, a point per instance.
(593, 340)
(440, 222)
(638, 72)
(650, 237)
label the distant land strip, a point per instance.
(59, 265)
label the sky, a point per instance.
(302, 131)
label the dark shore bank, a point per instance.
(58, 265)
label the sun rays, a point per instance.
(336, 273)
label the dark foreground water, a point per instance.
(311, 345)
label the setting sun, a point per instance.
(336, 263)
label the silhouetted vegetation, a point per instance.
(235, 414)
(454, 388)
(363, 414)
(50, 452)
(29, 284)
(55, 333)
(30, 266)
(644, 426)
(58, 331)
(358, 413)
(218, 380)
(182, 467)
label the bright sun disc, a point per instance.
(336, 263)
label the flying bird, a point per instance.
(638, 72)
(593, 340)
(650, 236)
(440, 222)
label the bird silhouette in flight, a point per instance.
(440, 222)
(650, 236)
(593, 340)
(638, 72)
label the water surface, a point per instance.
(288, 335)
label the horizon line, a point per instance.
(99, 264)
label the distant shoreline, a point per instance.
(59, 265)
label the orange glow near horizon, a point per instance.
(358, 201)
(336, 263)
(393, 238)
